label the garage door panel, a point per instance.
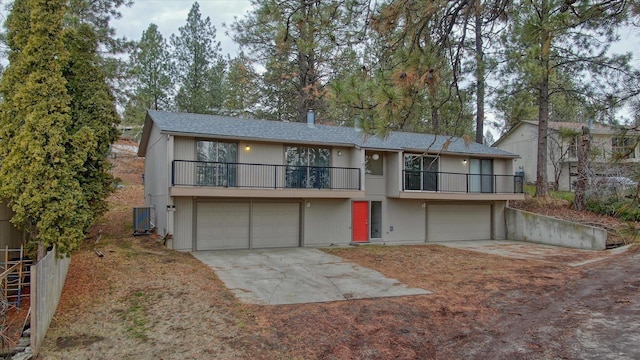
(222, 226)
(458, 222)
(276, 225)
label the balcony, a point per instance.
(460, 186)
(200, 178)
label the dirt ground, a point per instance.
(143, 301)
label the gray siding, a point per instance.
(185, 148)
(503, 167)
(183, 220)
(375, 185)
(261, 153)
(393, 171)
(407, 217)
(499, 224)
(156, 180)
(345, 159)
(326, 222)
(275, 225)
(447, 222)
(223, 225)
(523, 141)
(454, 164)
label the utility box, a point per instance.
(141, 221)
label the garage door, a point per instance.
(458, 222)
(228, 225)
(276, 225)
(222, 226)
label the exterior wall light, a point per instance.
(464, 161)
(339, 153)
(375, 157)
(247, 148)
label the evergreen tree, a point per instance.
(407, 80)
(98, 14)
(301, 44)
(199, 65)
(547, 38)
(152, 69)
(39, 159)
(92, 109)
(242, 89)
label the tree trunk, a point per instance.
(579, 202)
(435, 120)
(542, 186)
(480, 68)
(306, 65)
(542, 183)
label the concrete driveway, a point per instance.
(298, 275)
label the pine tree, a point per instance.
(301, 44)
(98, 15)
(199, 65)
(547, 38)
(152, 70)
(407, 80)
(242, 86)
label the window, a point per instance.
(217, 165)
(481, 175)
(623, 147)
(307, 167)
(373, 163)
(421, 172)
(573, 148)
(376, 219)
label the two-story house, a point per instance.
(217, 182)
(611, 149)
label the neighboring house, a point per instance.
(608, 145)
(217, 182)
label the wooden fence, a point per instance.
(47, 281)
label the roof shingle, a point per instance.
(231, 127)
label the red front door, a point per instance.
(360, 221)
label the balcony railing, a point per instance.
(263, 176)
(461, 183)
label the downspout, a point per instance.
(170, 209)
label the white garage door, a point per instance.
(222, 226)
(458, 222)
(276, 225)
(228, 225)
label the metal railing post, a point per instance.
(173, 173)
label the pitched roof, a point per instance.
(597, 129)
(301, 133)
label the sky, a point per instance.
(169, 15)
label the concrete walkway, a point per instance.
(298, 275)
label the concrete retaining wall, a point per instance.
(526, 226)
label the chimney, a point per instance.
(311, 118)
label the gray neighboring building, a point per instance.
(216, 182)
(612, 148)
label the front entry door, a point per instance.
(360, 221)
